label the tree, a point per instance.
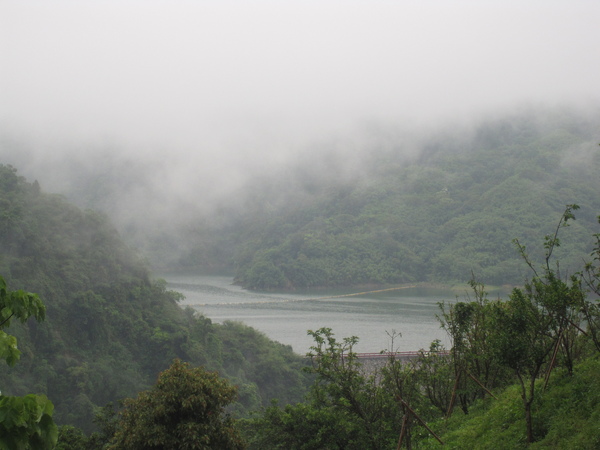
(344, 386)
(469, 326)
(71, 438)
(346, 408)
(352, 404)
(25, 422)
(435, 370)
(562, 299)
(591, 277)
(303, 426)
(185, 409)
(523, 342)
(537, 319)
(19, 305)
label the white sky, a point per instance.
(218, 82)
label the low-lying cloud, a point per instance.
(206, 95)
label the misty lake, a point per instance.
(285, 317)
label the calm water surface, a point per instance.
(286, 317)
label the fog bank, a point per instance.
(185, 104)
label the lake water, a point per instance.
(285, 317)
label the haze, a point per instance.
(212, 91)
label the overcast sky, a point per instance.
(218, 82)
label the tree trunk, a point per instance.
(527, 401)
(528, 422)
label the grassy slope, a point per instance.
(566, 416)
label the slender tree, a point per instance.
(540, 317)
(469, 326)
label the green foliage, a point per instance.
(275, 370)
(8, 348)
(502, 347)
(19, 305)
(347, 407)
(437, 375)
(538, 328)
(71, 438)
(497, 424)
(470, 326)
(303, 426)
(590, 277)
(543, 316)
(568, 412)
(26, 422)
(109, 328)
(183, 410)
(343, 387)
(440, 217)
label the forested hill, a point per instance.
(450, 210)
(109, 327)
(388, 204)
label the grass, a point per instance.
(566, 416)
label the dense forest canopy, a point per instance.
(109, 327)
(444, 212)
(450, 211)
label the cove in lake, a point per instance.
(286, 316)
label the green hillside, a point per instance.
(567, 414)
(392, 205)
(109, 327)
(450, 211)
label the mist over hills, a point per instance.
(451, 211)
(289, 145)
(193, 124)
(445, 208)
(386, 205)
